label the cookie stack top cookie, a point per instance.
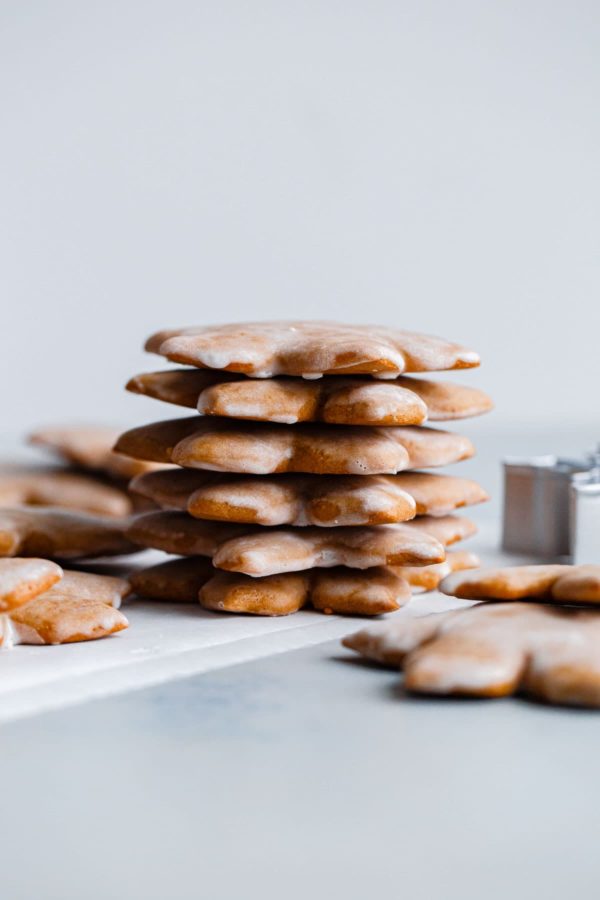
(294, 475)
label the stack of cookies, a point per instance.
(297, 480)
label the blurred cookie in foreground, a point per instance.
(493, 650)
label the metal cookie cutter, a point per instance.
(552, 507)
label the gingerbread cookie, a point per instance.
(553, 583)
(258, 448)
(61, 534)
(293, 550)
(34, 486)
(308, 499)
(334, 400)
(279, 499)
(309, 349)
(48, 621)
(89, 447)
(48, 606)
(259, 551)
(493, 650)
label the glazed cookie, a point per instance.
(65, 621)
(309, 349)
(259, 551)
(50, 606)
(225, 445)
(293, 550)
(552, 583)
(308, 499)
(493, 650)
(61, 534)
(334, 400)
(89, 447)
(33, 486)
(81, 607)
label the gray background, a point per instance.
(428, 164)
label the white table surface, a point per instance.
(304, 773)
